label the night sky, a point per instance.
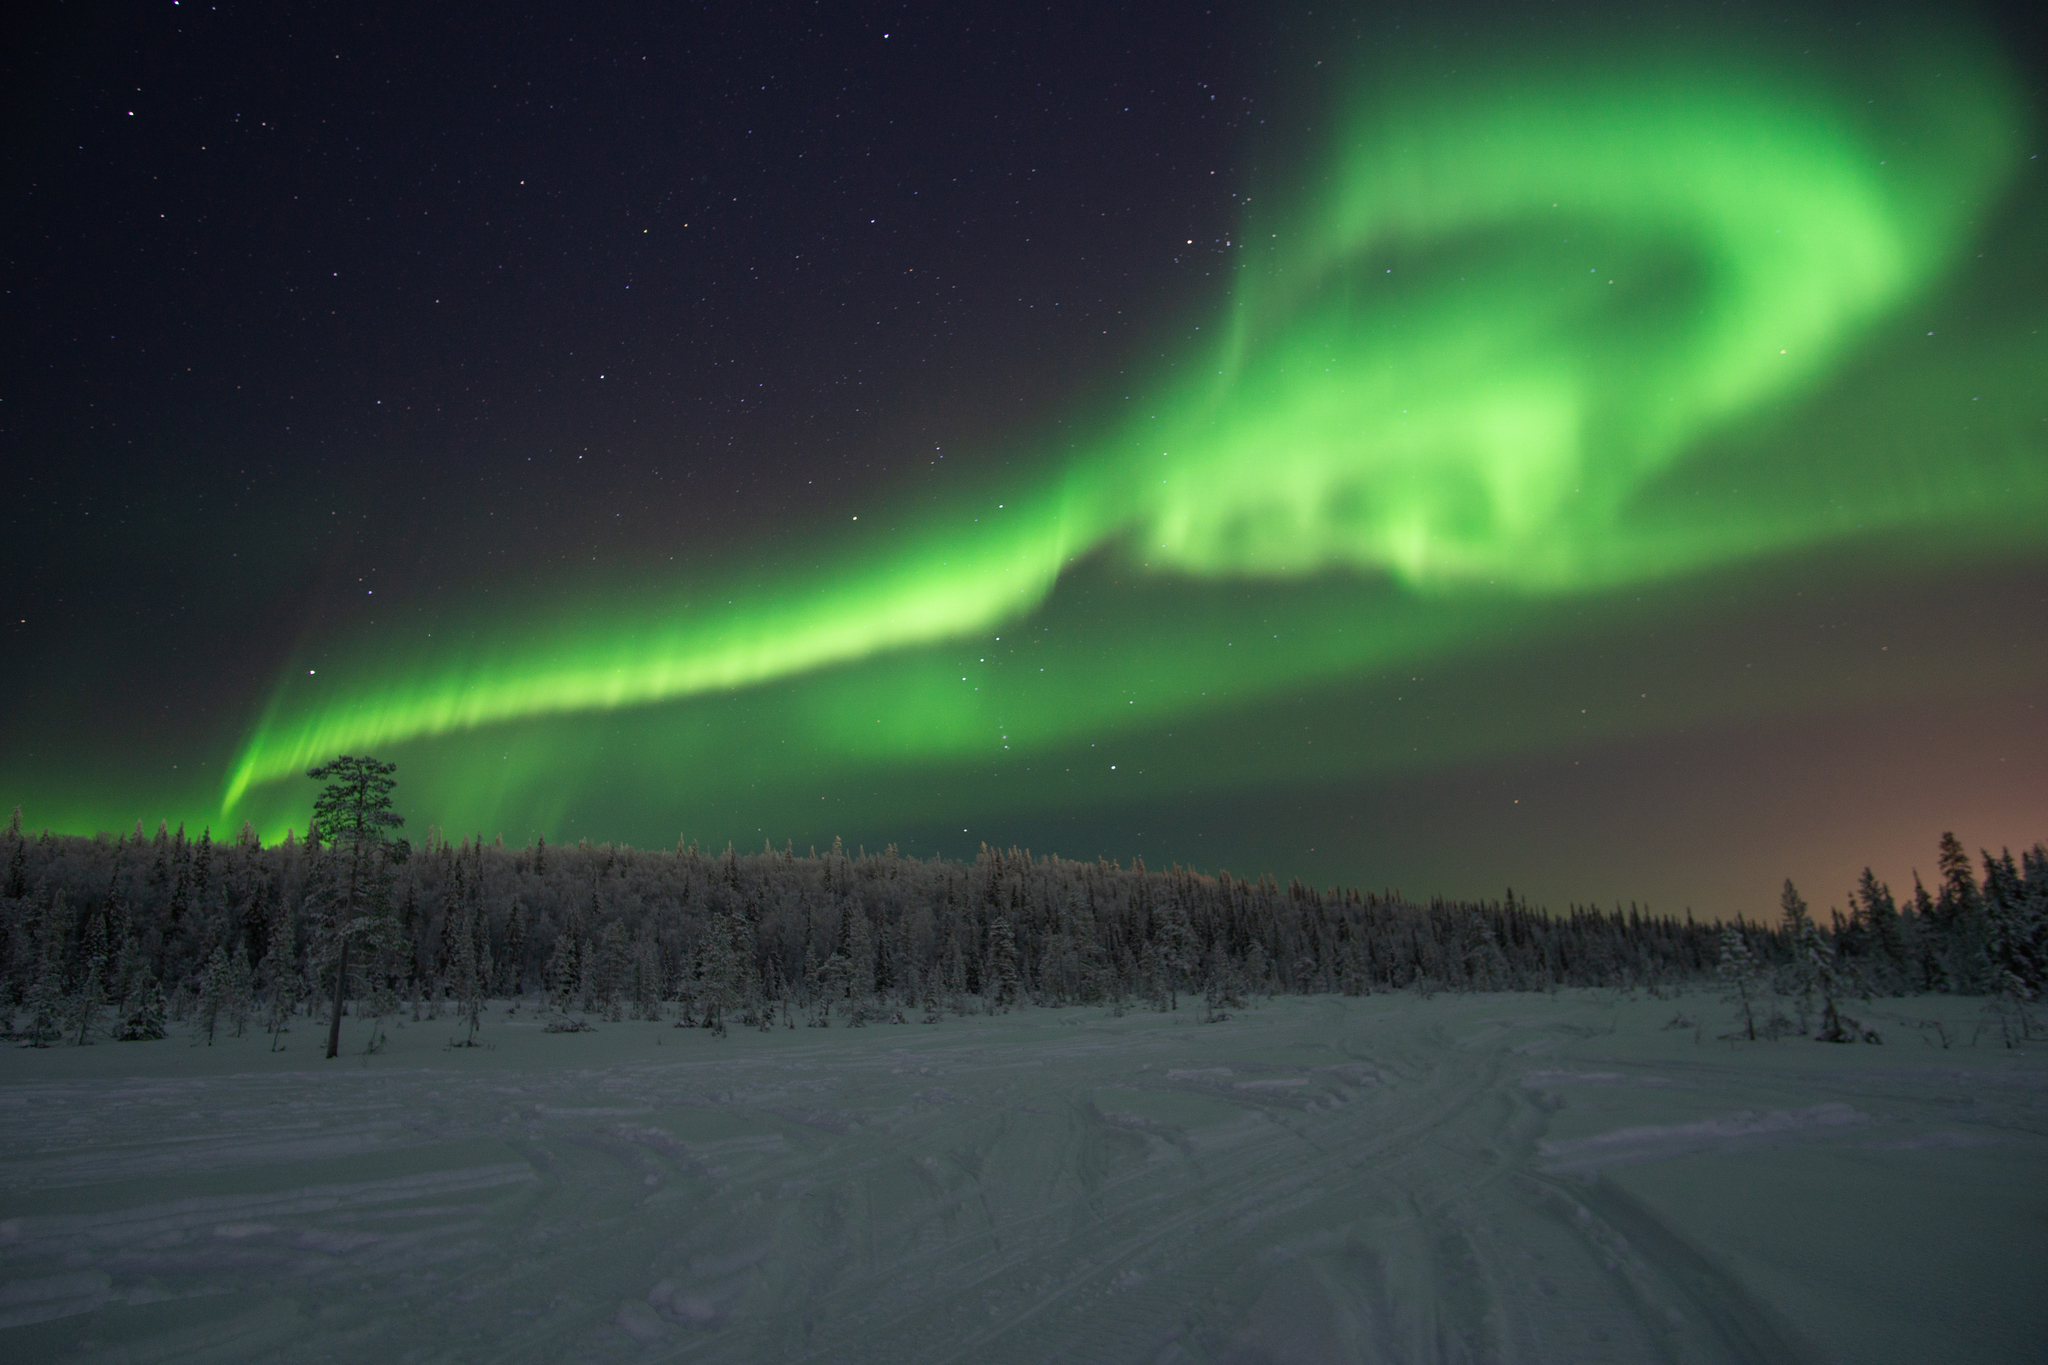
(1599, 454)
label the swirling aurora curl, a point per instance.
(1513, 304)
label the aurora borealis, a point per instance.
(1531, 387)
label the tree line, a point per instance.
(1972, 936)
(119, 937)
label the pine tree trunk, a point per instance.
(341, 967)
(340, 984)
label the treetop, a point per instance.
(355, 807)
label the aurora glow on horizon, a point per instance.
(1469, 377)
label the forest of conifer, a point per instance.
(119, 937)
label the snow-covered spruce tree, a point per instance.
(1959, 911)
(147, 1014)
(459, 960)
(775, 993)
(1001, 981)
(1154, 976)
(564, 972)
(281, 1000)
(469, 972)
(17, 859)
(717, 993)
(857, 941)
(605, 988)
(1800, 977)
(1059, 965)
(817, 987)
(729, 988)
(1737, 974)
(240, 1000)
(683, 991)
(2013, 920)
(1816, 970)
(44, 1001)
(278, 979)
(1923, 943)
(1486, 968)
(893, 975)
(125, 979)
(2034, 906)
(748, 989)
(1883, 938)
(831, 986)
(511, 963)
(84, 1005)
(486, 968)
(1223, 988)
(1257, 970)
(474, 1000)
(1180, 951)
(213, 994)
(646, 974)
(380, 999)
(88, 995)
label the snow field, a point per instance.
(1465, 1178)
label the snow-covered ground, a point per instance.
(1478, 1178)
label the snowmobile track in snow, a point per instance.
(1464, 1179)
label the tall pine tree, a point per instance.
(353, 816)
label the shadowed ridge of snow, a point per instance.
(153, 1220)
(1537, 1080)
(40, 1298)
(1660, 1142)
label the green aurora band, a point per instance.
(1467, 379)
